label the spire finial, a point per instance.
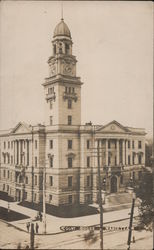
(62, 11)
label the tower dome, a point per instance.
(62, 29)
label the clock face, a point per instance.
(113, 127)
(68, 68)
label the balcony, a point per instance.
(19, 185)
(72, 96)
(113, 169)
(51, 96)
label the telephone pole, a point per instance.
(131, 222)
(100, 196)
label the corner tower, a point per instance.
(62, 87)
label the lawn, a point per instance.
(11, 215)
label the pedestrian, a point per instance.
(40, 216)
(28, 226)
(37, 227)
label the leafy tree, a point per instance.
(144, 192)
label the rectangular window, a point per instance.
(51, 120)
(128, 144)
(70, 181)
(66, 89)
(8, 174)
(70, 199)
(35, 144)
(133, 159)
(7, 188)
(4, 144)
(4, 158)
(50, 197)
(88, 181)
(3, 187)
(73, 90)
(35, 161)
(35, 180)
(51, 180)
(70, 162)
(69, 90)
(69, 104)
(139, 159)
(51, 144)
(4, 173)
(88, 161)
(109, 160)
(8, 159)
(11, 159)
(139, 144)
(128, 159)
(26, 180)
(133, 145)
(88, 144)
(109, 144)
(69, 144)
(51, 162)
(69, 120)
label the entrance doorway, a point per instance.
(113, 184)
(18, 195)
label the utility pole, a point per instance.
(100, 196)
(44, 196)
(131, 222)
(32, 236)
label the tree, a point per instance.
(144, 192)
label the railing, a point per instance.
(72, 96)
(51, 96)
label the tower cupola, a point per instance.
(62, 30)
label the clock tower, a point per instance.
(62, 87)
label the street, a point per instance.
(11, 237)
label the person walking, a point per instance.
(28, 226)
(36, 227)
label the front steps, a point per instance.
(118, 199)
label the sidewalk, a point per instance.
(54, 223)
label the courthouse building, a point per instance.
(67, 150)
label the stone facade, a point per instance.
(66, 150)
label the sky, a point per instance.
(113, 45)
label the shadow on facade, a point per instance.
(67, 211)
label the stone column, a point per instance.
(126, 152)
(106, 152)
(14, 156)
(123, 152)
(117, 146)
(131, 154)
(143, 156)
(25, 152)
(19, 151)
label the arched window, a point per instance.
(54, 49)
(67, 47)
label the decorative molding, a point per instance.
(72, 96)
(72, 155)
(51, 97)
